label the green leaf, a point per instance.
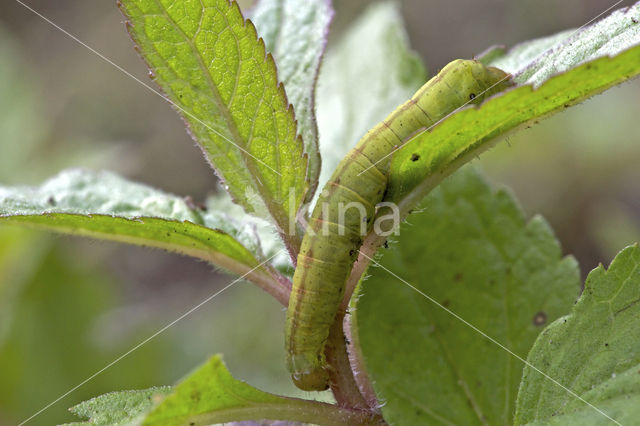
(214, 69)
(296, 34)
(103, 205)
(471, 250)
(120, 408)
(594, 351)
(211, 395)
(535, 61)
(425, 160)
(364, 77)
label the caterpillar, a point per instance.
(334, 233)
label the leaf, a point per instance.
(422, 163)
(214, 69)
(296, 34)
(594, 351)
(471, 131)
(534, 62)
(103, 205)
(470, 250)
(211, 395)
(119, 408)
(524, 54)
(364, 77)
(264, 239)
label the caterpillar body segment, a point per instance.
(346, 209)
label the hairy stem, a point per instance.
(368, 249)
(343, 383)
(292, 244)
(297, 410)
(370, 246)
(357, 366)
(277, 285)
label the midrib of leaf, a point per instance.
(507, 326)
(445, 349)
(224, 108)
(423, 407)
(507, 322)
(508, 364)
(491, 237)
(507, 318)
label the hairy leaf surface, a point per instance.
(594, 352)
(296, 33)
(119, 408)
(535, 61)
(422, 162)
(214, 69)
(471, 251)
(105, 206)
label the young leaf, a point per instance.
(472, 251)
(466, 134)
(214, 69)
(524, 54)
(119, 408)
(535, 61)
(371, 66)
(211, 395)
(425, 160)
(594, 352)
(105, 206)
(296, 33)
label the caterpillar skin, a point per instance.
(329, 249)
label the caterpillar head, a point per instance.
(488, 81)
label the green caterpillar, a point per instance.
(334, 234)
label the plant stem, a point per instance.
(292, 244)
(357, 365)
(356, 371)
(277, 285)
(371, 244)
(296, 410)
(343, 383)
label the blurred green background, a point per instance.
(68, 306)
